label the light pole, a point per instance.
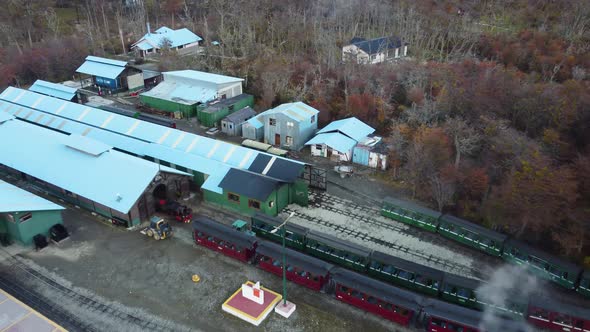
(283, 226)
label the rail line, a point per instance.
(454, 267)
(21, 270)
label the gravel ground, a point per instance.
(152, 280)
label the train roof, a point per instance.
(412, 206)
(455, 313)
(544, 302)
(407, 265)
(377, 289)
(224, 232)
(277, 221)
(339, 243)
(545, 256)
(474, 227)
(461, 281)
(308, 263)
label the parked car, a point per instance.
(212, 131)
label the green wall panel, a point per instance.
(39, 223)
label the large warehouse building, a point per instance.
(86, 172)
(213, 163)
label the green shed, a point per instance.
(24, 215)
(210, 114)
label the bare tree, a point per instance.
(443, 190)
(466, 139)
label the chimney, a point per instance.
(148, 28)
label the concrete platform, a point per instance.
(248, 310)
(285, 310)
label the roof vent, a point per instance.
(119, 197)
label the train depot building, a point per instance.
(183, 90)
(55, 90)
(86, 172)
(24, 215)
(214, 165)
(108, 76)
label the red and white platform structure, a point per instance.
(251, 302)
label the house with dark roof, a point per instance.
(232, 124)
(375, 50)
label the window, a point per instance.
(290, 124)
(254, 204)
(230, 107)
(318, 147)
(312, 118)
(25, 217)
(271, 204)
(272, 122)
(231, 127)
(223, 125)
(288, 140)
(233, 197)
(180, 47)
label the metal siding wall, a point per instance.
(299, 192)
(39, 223)
(360, 156)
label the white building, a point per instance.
(374, 50)
(152, 42)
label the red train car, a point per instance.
(301, 269)
(222, 238)
(441, 316)
(379, 298)
(557, 316)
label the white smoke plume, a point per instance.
(508, 286)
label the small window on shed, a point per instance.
(254, 204)
(25, 217)
(230, 107)
(223, 125)
(271, 204)
(231, 126)
(9, 217)
(318, 147)
(288, 141)
(290, 124)
(312, 118)
(272, 122)
(233, 197)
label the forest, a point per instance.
(488, 118)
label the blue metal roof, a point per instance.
(297, 111)
(198, 153)
(54, 90)
(15, 199)
(336, 141)
(114, 179)
(102, 67)
(255, 122)
(5, 117)
(182, 93)
(176, 37)
(214, 180)
(88, 145)
(351, 127)
(203, 76)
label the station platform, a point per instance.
(250, 311)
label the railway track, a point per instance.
(13, 282)
(448, 265)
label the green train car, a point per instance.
(473, 235)
(460, 290)
(541, 264)
(404, 273)
(263, 224)
(584, 287)
(410, 213)
(332, 249)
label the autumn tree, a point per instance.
(466, 139)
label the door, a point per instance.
(278, 139)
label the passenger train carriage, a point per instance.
(541, 264)
(222, 238)
(335, 250)
(301, 269)
(263, 224)
(384, 299)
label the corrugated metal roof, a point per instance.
(199, 153)
(15, 199)
(5, 117)
(54, 90)
(351, 127)
(249, 184)
(297, 111)
(182, 93)
(87, 145)
(176, 37)
(336, 141)
(102, 67)
(241, 115)
(113, 179)
(202, 76)
(255, 122)
(214, 179)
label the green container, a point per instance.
(169, 106)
